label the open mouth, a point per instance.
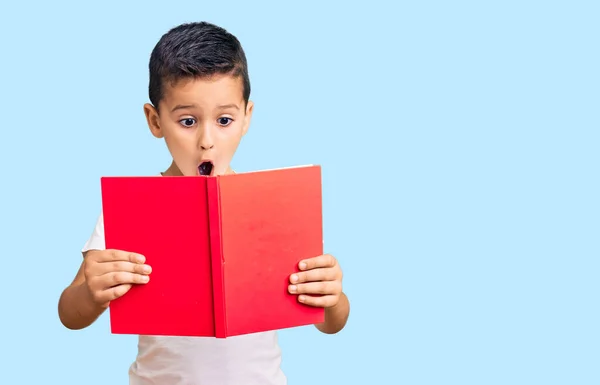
(205, 168)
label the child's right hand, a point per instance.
(109, 274)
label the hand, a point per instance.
(319, 282)
(109, 274)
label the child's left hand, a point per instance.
(319, 282)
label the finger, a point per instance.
(322, 274)
(112, 293)
(318, 301)
(120, 255)
(116, 266)
(105, 296)
(325, 260)
(119, 278)
(324, 288)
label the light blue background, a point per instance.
(459, 145)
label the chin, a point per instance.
(218, 172)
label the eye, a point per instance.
(224, 121)
(187, 122)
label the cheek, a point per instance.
(178, 135)
(230, 138)
(181, 145)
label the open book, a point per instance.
(221, 248)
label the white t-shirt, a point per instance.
(252, 359)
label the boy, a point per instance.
(199, 93)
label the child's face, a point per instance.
(202, 120)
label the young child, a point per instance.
(199, 92)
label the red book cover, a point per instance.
(221, 248)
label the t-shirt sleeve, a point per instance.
(96, 240)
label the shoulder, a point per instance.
(96, 239)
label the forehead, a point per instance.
(204, 92)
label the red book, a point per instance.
(221, 248)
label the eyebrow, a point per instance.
(221, 107)
(182, 106)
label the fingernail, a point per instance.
(145, 278)
(292, 288)
(147, 269)
(294, 278)
(302, 265)
(301, 298)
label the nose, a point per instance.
(205, 140)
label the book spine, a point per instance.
(217, 258)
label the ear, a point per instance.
(153, 121)
(247, 117)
